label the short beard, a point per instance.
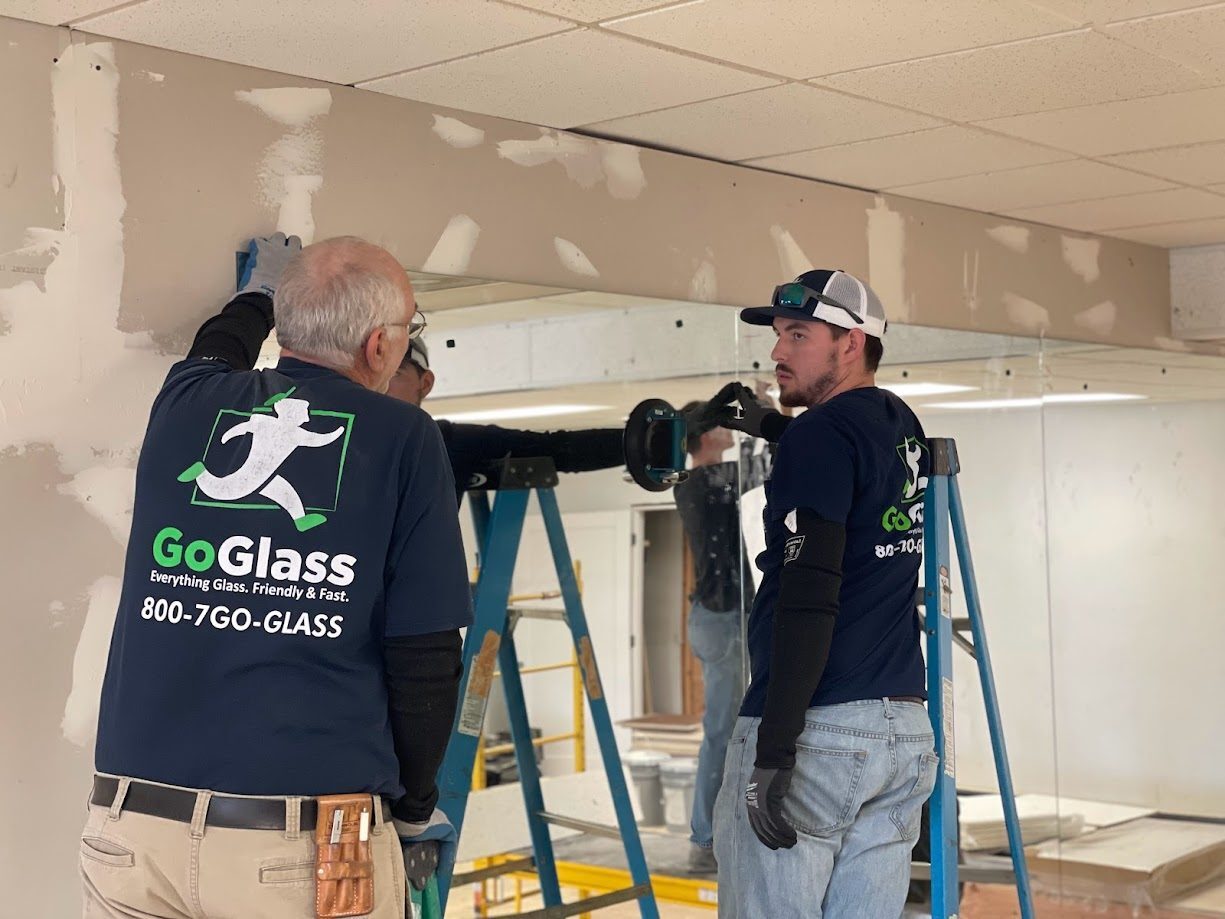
(812, 394)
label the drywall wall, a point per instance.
(128, 175)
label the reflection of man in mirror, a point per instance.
(473, 447)
(832, 758)
(708, 503)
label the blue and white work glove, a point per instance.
(428, 847)
(266, 258)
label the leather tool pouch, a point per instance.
(344, 871)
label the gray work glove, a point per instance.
(764, 799)
(735, 407)
(428, 847)
(266, 258)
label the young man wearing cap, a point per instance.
(473, 448)
(832, 758)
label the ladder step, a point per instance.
(537, 612)
(973, 874)
(584, 826)
(589, 905)
(493, 871)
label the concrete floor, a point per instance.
(981, 902)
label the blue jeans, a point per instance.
(715, 639)
(862, 773)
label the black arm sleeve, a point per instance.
(423, 673)
(472, 446)
(804, 615)
(773, 426)
(236, 334)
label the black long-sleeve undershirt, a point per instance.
(423, 675)
(803, 631)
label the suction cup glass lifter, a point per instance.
(655, 445)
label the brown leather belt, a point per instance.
(223, 810)
(919, 699)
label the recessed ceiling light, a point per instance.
(1091, 397)
(519, 413)
(1036, 402)
(925, 389)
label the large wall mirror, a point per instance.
(1088, 478)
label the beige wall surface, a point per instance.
(129, 175)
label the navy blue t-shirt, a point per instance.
(859, 460)
(286, 521)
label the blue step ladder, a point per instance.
(943, 507)
(490, 645)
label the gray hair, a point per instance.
(331, 296)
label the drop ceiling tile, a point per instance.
(804, 38)
(1102, 11)
(1128, 210)
(923, 156)
(782, 118)
(1120, 127)
(564, 80)
(1193, 38)
(1199, 164)
(590, 10)
(1076, 68)
(54, 12)
(325, 41)
(1030, 186)
(1183, 233)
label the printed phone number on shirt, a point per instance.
(912, 545)
(223, 618)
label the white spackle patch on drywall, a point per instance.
(91, 401)
(574, 258)
(453, 251)
(457, 134)
(1027, 314)
(1081, 255)
(151, 76)
(30, 262)
(704, 286)
(586, 161)
(80, 722)
(1171, 344)
(1011, 237)
(886, 259)
(791, 257)
(292, 106)
(623, 170)
(969, 280)
(294, 215)
(1099, 319)
(107, 492)
(290, 172)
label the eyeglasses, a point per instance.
(415, 326)
(796, 296)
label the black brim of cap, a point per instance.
(765, 315)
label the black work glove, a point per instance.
(764, 797)
(736, 407)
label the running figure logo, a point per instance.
(273, 441)
(911, 451)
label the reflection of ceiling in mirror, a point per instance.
(929, 367)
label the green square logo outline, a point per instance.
(236, 506)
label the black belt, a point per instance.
(223, 810)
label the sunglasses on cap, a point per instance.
(796, 296)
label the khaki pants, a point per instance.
(139, 867)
